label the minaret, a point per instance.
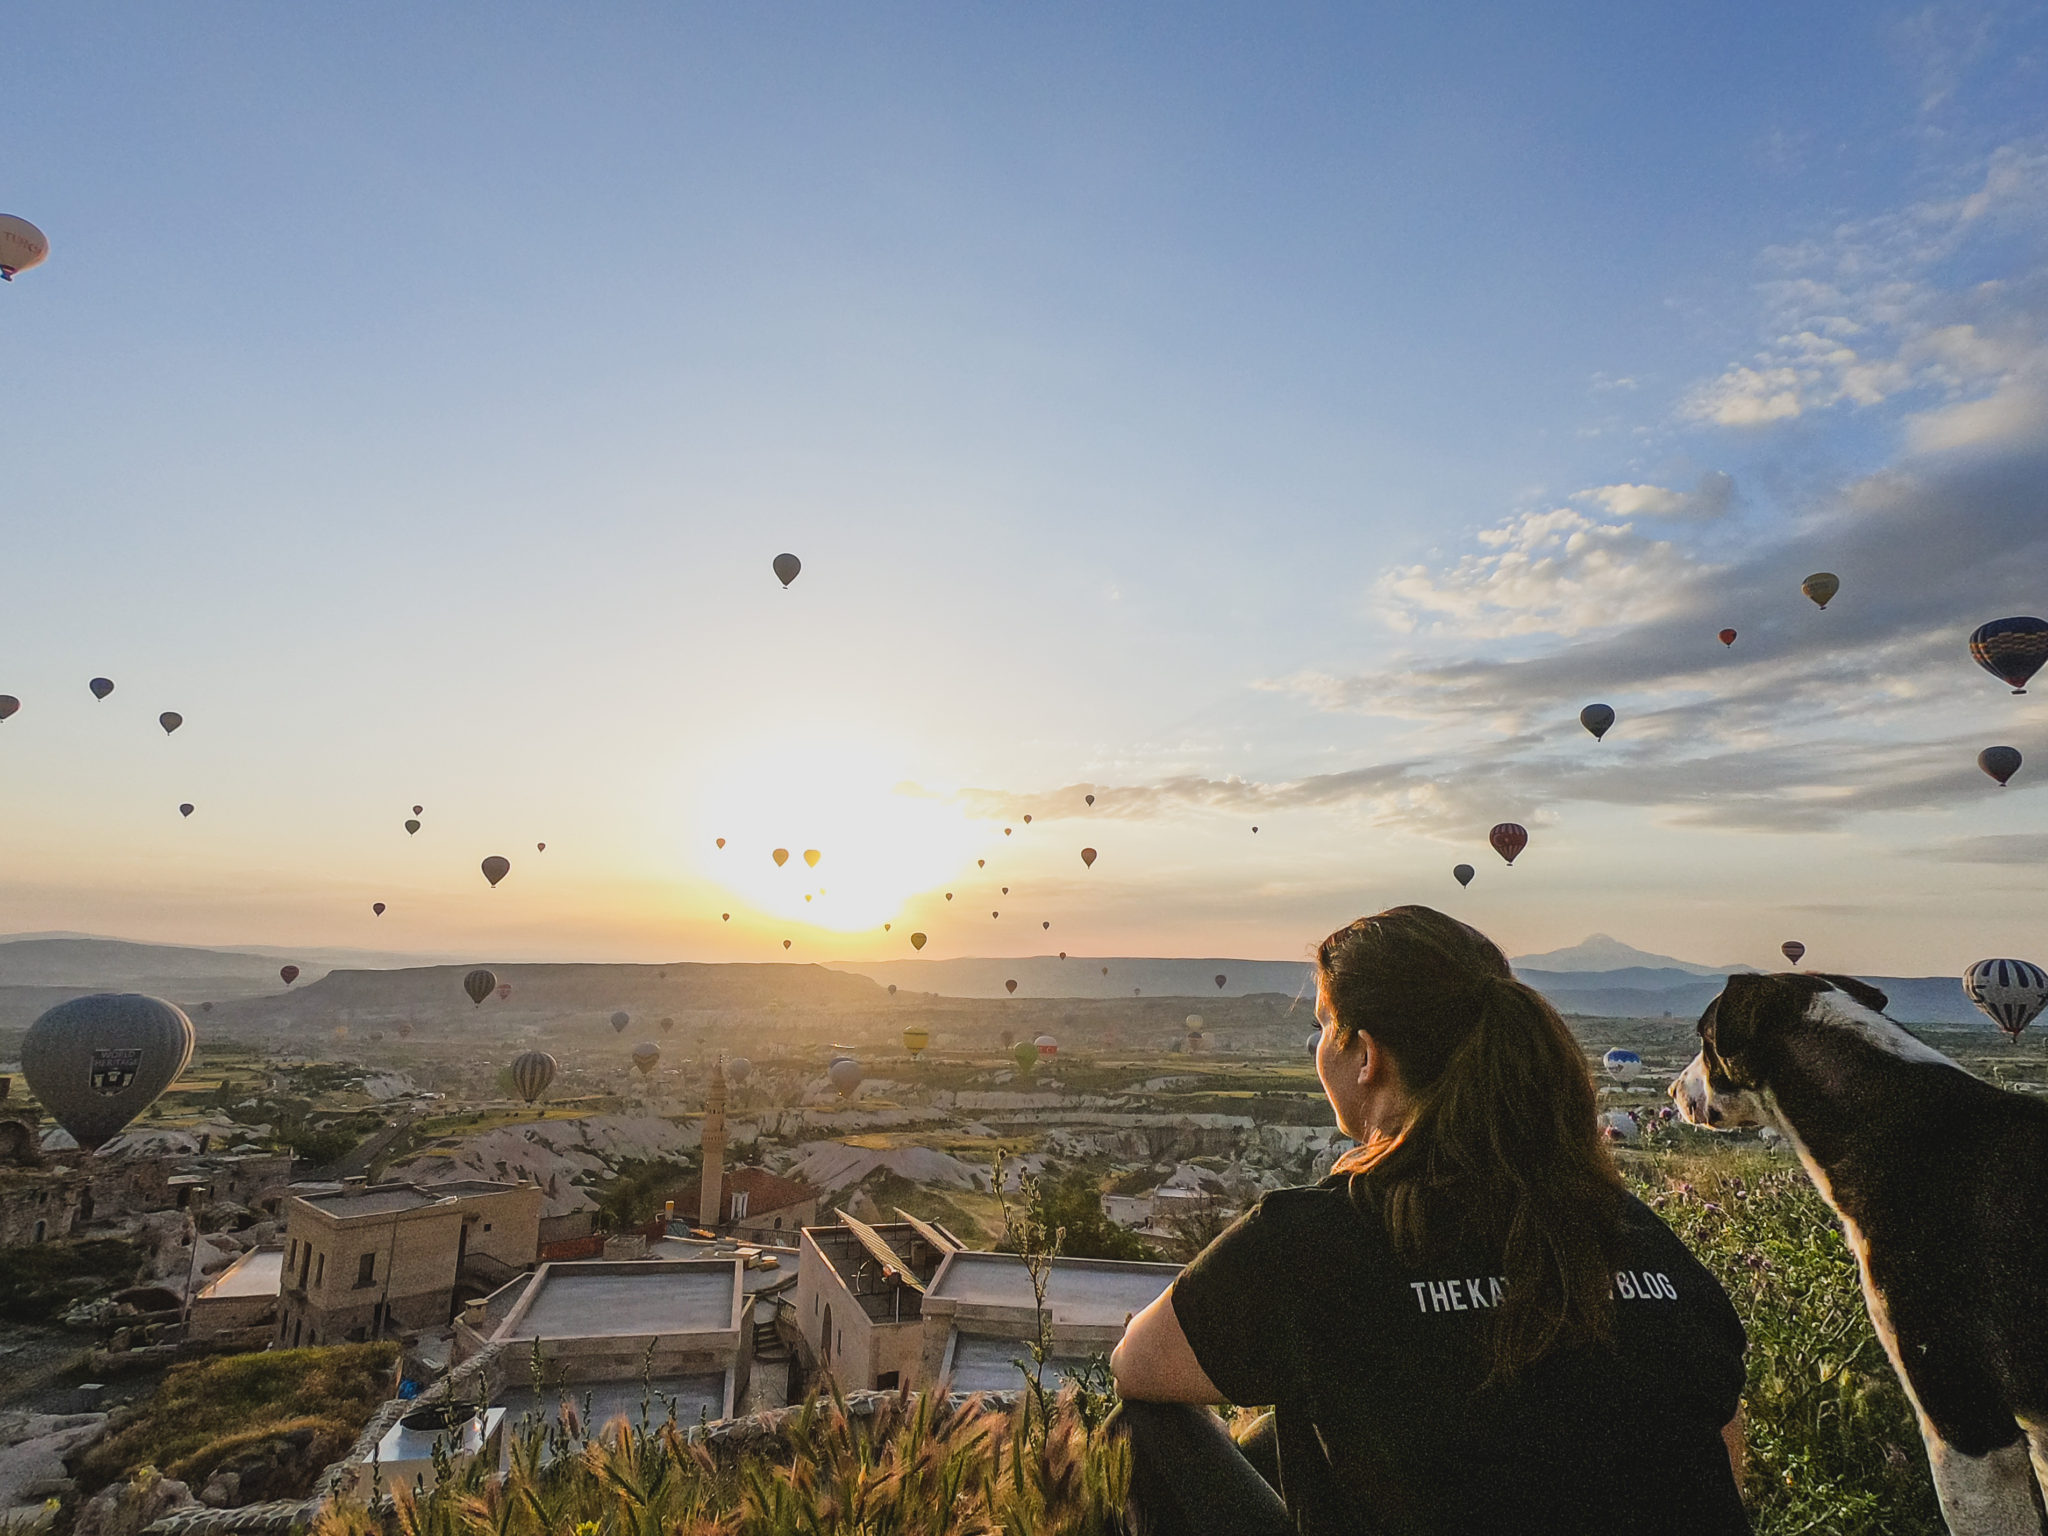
(712, 1187)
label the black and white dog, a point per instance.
(1941, 1183)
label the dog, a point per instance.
(1941, 1184)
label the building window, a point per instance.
(319, 1269)
(888, 1381)
(778, 1223)
(739, 1204)
(41, 1228)
(366, 1270)
(487, 1226)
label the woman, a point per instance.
(1471, 1326)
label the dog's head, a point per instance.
(1723, 1089)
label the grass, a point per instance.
(284, 1414)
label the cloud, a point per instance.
(1714, 499)
(2030, 848)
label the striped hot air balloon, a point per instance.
(2011, 993)
(2011, 649)
(531, 1073)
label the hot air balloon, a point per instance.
(377, 908)
(892, 989)
(981, 863)
(532, 1071)
(646, 1056)
(667, 1025)
(496, 868)
(1027, 821)
(738, 1070)
(540, 847)
(1046, 1046)
(1047, 926)
(811, 857)
(22, 246)
(949, 895)
(1105, 970)
(915, 1039)
(1010, 987)
(721, 842)
(787, 942)
(1793, 950)
(1063, 954)
(917, 941)
(2000, 762)
(1821, 586)
(1194, 1023)
(290, 973)
(479, 984)
(1509, 839)
(170, 720)
(845, 1075)
(1618, 1125)
(419, 810)
(2011, 649)
(1623, 1066)
(1025, 1054)
(411, 826)
(1006, 890)
(1597, 718)
(780, 856)
(620, 1020)
(101, 687)
(1727, 637)
(405, 1030)
(2011, 992)
(1463, 873)
(786, 568)
(1088, 857)
(185, 809)
(1089, 798)
(725, 917)
(504, 990)
(995, 914)
(97, 1062)
(1219, 982)
(8, 705)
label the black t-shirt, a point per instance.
(1374, 1372)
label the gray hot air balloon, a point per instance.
(738, 1070)
(845, 1074)
(620, 1020)
(170, 720)
(101, 687)
(496, 868)
(1463, 873)
(647, 1056)
(786, 567)
(97, 1062)
(531, 1074)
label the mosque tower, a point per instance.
(711, 1189)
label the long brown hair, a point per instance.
(1501, 1145)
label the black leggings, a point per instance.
(1189, 1478)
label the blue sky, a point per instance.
(1264, 417)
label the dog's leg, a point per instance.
(2037, 1451)
(1989, 1495)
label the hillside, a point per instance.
(1084, 976)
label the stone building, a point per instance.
(362, 1261)
(860, 1298)
(754, 1203)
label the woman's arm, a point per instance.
(1737, 1441)
(1154, 1363)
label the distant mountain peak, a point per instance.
(1604, 952)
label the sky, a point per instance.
(1255, 417)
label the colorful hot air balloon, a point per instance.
(646, 1056)
(738, 1070)
(8, 705)
(917, 941)
(1046, 1046)
(780, 856)
(532, 1071)
(185, 809)
(915, 1039)
(1793, 950)
(1010, 987)
(1727, 637)
(2011, 992)
(845, 1075)
(22, 246)
(1025, 1054)
(1509, 839)
(479, 984)
(811, 857)
(1624, 1066)
(1821, 586)
(290, 973)
(101, 687)
(496, 868)
(170, 720)
(504, 990)
(786, 568)
(2011, 649)
(2000, 762)
(1088, 857)
(1597, 718)
(620, 1020)
(377, 908)
(411, 826)
(97, 1062)
(1463, 873)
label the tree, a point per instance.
(1073, 1203)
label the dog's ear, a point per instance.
(1750, 1005)
(1862, 991)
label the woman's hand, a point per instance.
(1154, 1363)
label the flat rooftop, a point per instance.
(257, 1273)
(983, 1364)
(697, 1398)
(375, 1200)
(1083, 1293)
(634, 1298)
